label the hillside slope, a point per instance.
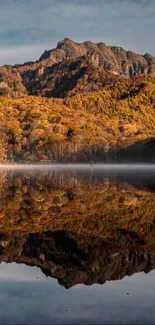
(98, 126)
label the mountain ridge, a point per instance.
(72, 68)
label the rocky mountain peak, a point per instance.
(65, 42)
(73, 67)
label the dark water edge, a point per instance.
(128, 152)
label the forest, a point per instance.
(96, 126)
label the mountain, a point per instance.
(102, 106)
(73, 68)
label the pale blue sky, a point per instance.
(28, 27)
(44, 301)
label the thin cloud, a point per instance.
(26, 26)
(18, 54)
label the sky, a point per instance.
(28, 27)
(28, 297)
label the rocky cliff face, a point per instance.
(75, 68)
(111, 58)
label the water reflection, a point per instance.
(77, 227)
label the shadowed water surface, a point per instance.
(77, 244)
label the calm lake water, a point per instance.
(77, 244)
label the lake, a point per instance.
(77, 244)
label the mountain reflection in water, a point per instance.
(78, 227)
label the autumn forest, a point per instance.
(78, 103)
(95, 126)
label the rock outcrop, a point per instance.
(111, 58)
(74, 68)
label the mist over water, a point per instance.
(142, 175)
(123, 167)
